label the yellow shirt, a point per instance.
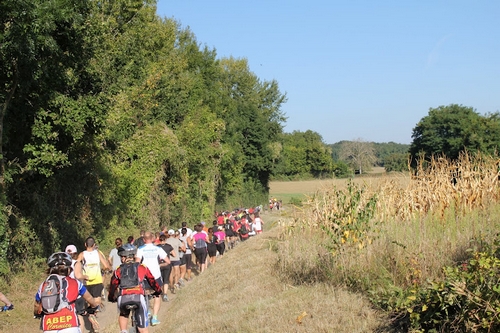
(92, 267)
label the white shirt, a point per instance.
(116, 260)
(257, 224)
(149, 254)
(189, 232)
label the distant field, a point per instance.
(285, 190)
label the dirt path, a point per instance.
(108, 319)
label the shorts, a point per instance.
(141, 312)
(221, 247)
(201, 255)
(186, 260)
(95, 289)
(165, 272)
(212, 250)
(175, 263)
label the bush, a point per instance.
(295, 201)
(466, 300)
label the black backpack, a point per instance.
(129, 277)
(243, 229)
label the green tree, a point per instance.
(252, 112)
(51, 114)
(386, 149)
(448, 130)
(303, 155)
(396, 162)
(341, 169)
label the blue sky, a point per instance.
(358, 69)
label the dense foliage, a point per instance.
(466, 300)
(114, 118)
(449, 130)
(302, 155)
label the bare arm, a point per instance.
(80, 268)
(183, 247)
(110, 261)
(37, 309)
(90, 299)
(79, 272)
(104, 262)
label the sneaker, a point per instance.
(7, 308)
(95, 324)
(154, 321)
(165, 298)
(181, 282)
(172, 290)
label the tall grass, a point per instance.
(419, 226)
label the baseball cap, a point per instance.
(171, 232)
(70, 249)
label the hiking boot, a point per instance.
(154, 321)
(165, 298)
(7, 308)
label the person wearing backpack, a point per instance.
(56, 296)
(200, 240)
(221, 236)
(127, 288)
(244, 230)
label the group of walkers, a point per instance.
(144, 270)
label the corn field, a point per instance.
(434, 187)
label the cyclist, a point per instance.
(65, 320)
(126, 288)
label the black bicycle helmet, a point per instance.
(127, 250)
(59, 258)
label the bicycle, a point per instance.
(133, 308)
(133, 328)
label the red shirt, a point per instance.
(143, 273)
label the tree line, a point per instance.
(113, 117)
